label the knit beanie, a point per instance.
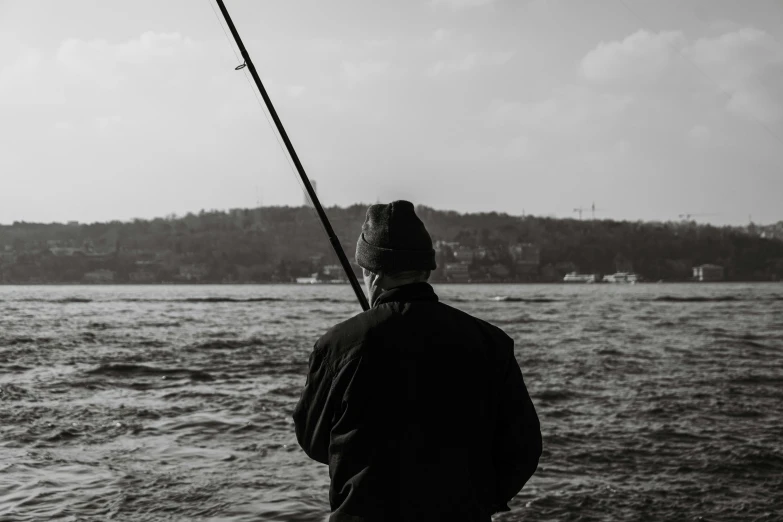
(394, 239)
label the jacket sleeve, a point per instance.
(518, 444)
(313, 415)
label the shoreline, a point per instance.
(477, 283)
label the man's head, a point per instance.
(394, 247)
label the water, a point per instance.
(657, 402)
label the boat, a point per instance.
(315, 279)
(622, 277)
(573, 277)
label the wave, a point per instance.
(63, 434)
(712, 299)
(228, 300)
(23, 339)
(18, 340)
(68, 300)
(195, 394)
(520, 319)
(161, 324)
(507, 299)
(11, 391)
(95, 325)
(555, 395)
(695, 299)
(141, 370)
(747, 339)
(227, 344)
(151, 343)
(758, 379)
(64, 300)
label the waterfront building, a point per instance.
(99, 276)
(457, 273)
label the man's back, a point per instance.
(420, 411)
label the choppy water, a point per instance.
(657, 402)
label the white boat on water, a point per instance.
(573, 277)
(621, 277)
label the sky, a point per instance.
(125, 109)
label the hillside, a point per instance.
(278, 244)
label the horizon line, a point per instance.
(524, 215)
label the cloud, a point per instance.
(104, 122)
(146, 47)
(19, 63)
(469, 61)
(23, 77)
(460, 4)
(148, 83)
(747, 64)
(294, 91)
(568, 110)
(640, 56)
(699, 134)
(63, 126)
(439, 36)
(324, 46)
(377, 44)
(100, 62)
(355, 73)
(30, 77)
(519, 147)
(463, 64)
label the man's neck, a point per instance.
(391, 284)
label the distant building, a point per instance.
(445, 245)
(193, 272)
(99, 276)
(307, 201)
(499, 270)
(525, 254)
(141, 276)
(464, 254)
(457, 273)
(66, 251)
(708, 273)
(333, 272)
(483, 252)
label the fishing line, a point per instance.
(723, 91)
(261, 104)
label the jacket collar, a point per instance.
(407, 293)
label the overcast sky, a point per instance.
(132, 108)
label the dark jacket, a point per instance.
(420, 411)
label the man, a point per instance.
(419, 409)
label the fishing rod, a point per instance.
(338, 249)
